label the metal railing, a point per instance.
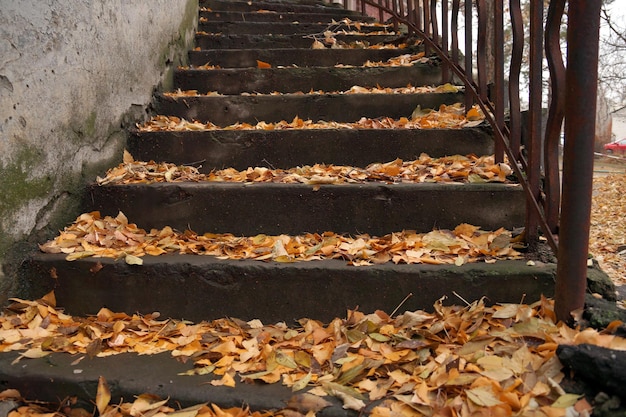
(558, 208)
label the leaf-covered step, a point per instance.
(303, 363)
(216, 149)
(226, 110)
(271, 58)
(286, 80)
(272, 16)
(341, 199)
(231, 28)
(279, 6)
(205, 288)
(271, 41)
(116, 237)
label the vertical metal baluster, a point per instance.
(481, 56)
(582, 84)
(426, 27)
(445, 71)
(454, 31)
(535, 114)
(556, 112)
(517, 26)
(499, 75)
(418, 15)
(434, 23)
(469, 66)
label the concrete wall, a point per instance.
(73, 76)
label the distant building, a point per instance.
(619, 124)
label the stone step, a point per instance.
(246, 58)
(129, 375)
(274, 16)
(280, 6)
(240, 149)
(196, 287)
(205, 41)
(226, 110)
(305, 79)
(375, 208)
(260, 28)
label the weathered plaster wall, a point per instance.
(73, 76)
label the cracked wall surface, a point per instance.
(73, 77)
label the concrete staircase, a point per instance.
(245, 52)
(235, 40)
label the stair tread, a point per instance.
(444, 170)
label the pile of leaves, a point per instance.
(447, 169)
(409, 89)
(470, 360)
(329, 40)
(447, 117)
(114, 237)
(607, 241)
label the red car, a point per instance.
(618, 145)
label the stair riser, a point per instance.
(241, 6)
(290, 148)
(202, 288)
(250, 209)
(291, 80)
(234, 28)
(286, 17)
(227, 110)
(243, 58)
(278, 41)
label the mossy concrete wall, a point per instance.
(74, 76)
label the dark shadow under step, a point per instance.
(274, 208)
(241, 149)
(279, 41)
(281, 6)
(196, 287)
(274, 16)
(227, 110)
(291, 80)
(232, 28)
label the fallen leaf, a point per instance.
(307, 402)
(103, 395)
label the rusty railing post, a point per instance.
(535, 116)
(580, 115)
